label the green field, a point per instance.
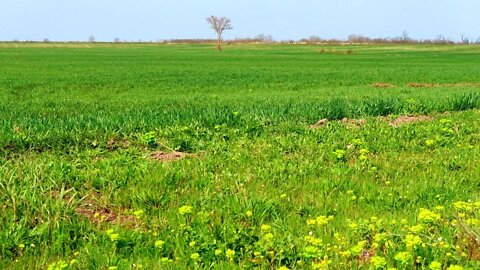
(251, 181)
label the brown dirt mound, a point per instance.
(165, 157)
(98, 215)
(115, 143)
(461, 84)
(405, 119)
(382, 85)
(90, 209)
(356, 123)
(320, 123)
(420, 85)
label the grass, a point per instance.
(260, 187)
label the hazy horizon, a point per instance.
(147, 20)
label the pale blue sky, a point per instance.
(61, 20)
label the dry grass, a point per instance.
(405, 119)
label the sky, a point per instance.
(152, 20)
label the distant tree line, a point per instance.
(404, 38)
(352, 39)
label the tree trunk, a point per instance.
(219, 44)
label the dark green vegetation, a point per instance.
(259, 186)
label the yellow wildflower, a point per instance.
(313, 241)
(435, 266)
(159, 243)
(358, 248)
(379, 262)
(114, 236)
(311, 252)
(138, 213)
(346, 253)
(353, 225)
(429, 142)
(322, 220)
(403, 257)
(311, 222)
(265, 227)
(230, 254)
(268, 236)
(427, 216)
(412, 241)
(186, 209)
(380, 237)
(195, 256)
(416, 228)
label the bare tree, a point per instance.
(219, 25)
(465, 39)
(91, 39)
(405, 37)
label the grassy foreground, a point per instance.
(178, 157)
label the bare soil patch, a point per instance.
(89, 208)
(352, 123)
(405, 119)
(98, 215)
(320, 123)
(382, 85)
(165, 157)
(355, 123)
(460, 84)
(115, 143)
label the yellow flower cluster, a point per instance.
(403, 257)
(379, 262)
(186, 209)
(412, 241)
(427, 216)
(112, 235)
(467, 206)
(159, 243)
(320, 221)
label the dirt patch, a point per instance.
(99, 215)
(382, 85)
(352, 123)
(89, 208)
(461, 84)
(405, 119)
(320, 123)
(165, 157)
(355, 123)
(114, 143)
